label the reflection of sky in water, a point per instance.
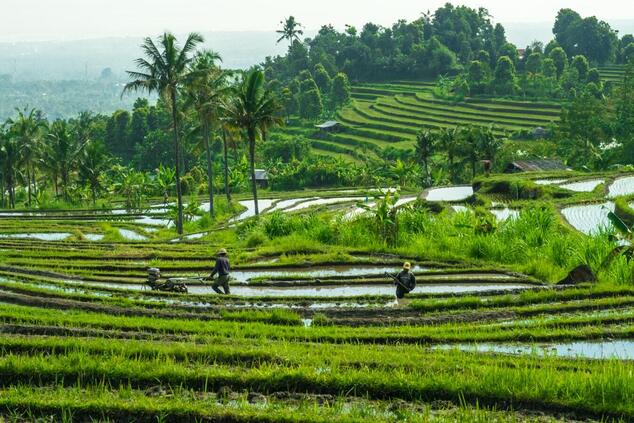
(450, 193)
(589, 218)
(583, 186)
(131, 235)
(621, 186)
(623, 349)
(52, 236)
(334, 291)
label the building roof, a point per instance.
(261, 175)
(328, 124)
(539, 165)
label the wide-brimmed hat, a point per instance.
(222, 252)
(407, 265)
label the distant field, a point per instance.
(613, 73)
(391, 114)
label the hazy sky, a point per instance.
(22, 20)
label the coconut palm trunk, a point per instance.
(210, 169)
(179, 192)
(226, 164)
(254, 186)
(28, 183)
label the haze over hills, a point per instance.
(85, 59)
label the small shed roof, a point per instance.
(328, 124)
(538, 165)
(261, 175)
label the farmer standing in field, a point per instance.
(221, 268)
(405, 281)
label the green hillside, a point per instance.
(390, 115)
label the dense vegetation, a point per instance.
(312, 331)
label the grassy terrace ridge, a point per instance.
(383, 113)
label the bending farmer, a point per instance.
(221, 268)
(405, 281)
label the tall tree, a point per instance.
(27, 130)
(291, 30)
(9, 158)
(254, 109)
(426, 143)
(94, 161)
(62, 151)
(205, 92)
(164, 70)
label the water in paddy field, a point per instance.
(336, 291)
(549, 181)
(621, 186)
(457, 193)
(589, 218)
(263, 205)
(93, 237)
(583, 186)
(291, 202)
(501, 215)
(52, 236)
(154, 221)
(616, 349)
(244, 276)
(505, 214)
(322, 202)
(131, 235)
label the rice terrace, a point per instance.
(414, 221)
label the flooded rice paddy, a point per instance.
(613, 349)
(589, 218)
(51, 236)
(621, 186)
(336, 291)
(583, 186)
(455, 193)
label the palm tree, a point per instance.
(426, 143)
(207, 87)
(290, 30)
(9, 158)
(26, 129)
(451, 142)
(254, 109)
(93, 163)
(62, 151)
(165, 71)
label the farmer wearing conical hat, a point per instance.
(405, 281)
(222, 269)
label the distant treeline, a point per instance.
(62, 99)
(440, 43)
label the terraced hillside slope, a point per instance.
(612, 73)
(383, 116)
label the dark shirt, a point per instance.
(407, 279)
(222, 266)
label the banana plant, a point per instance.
(626, 234)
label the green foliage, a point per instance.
(310, 104)
(322, 78)
(340, 93)
(589, 37)
(580, 63)
(504, 77)
(560, 60)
